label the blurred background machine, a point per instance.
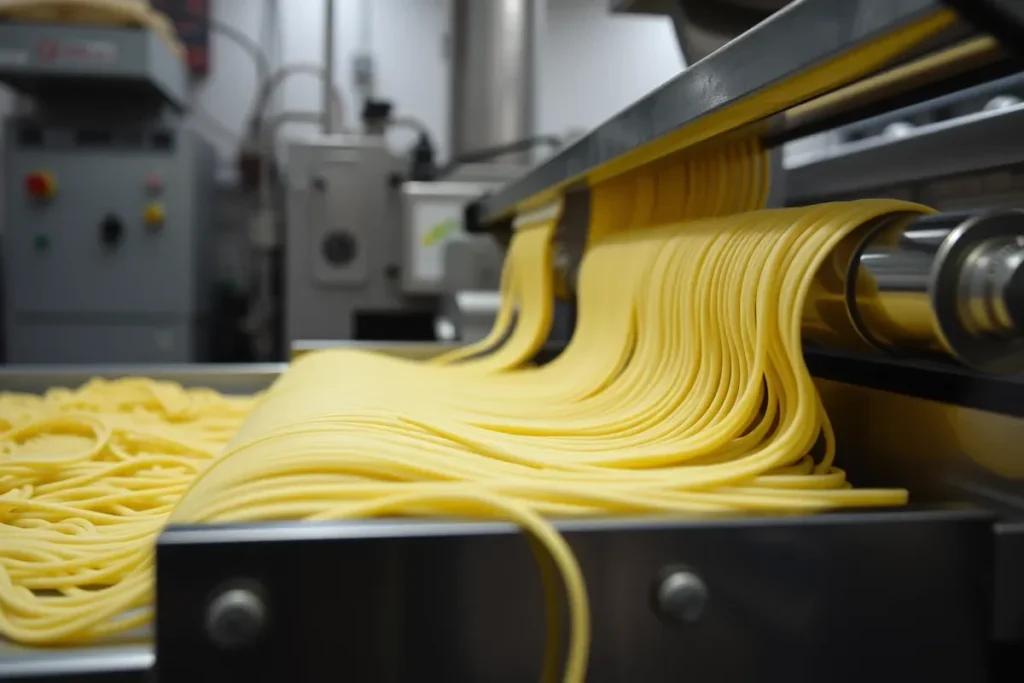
(376, 250)
(108, 200)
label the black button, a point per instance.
(339, 248)
(111, 231)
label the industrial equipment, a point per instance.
(107, 219)
(365, 250)
(366, 243)
(914, 338)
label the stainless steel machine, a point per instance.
(107, 221)
(367, 253)
(365, 244)
(913, 334)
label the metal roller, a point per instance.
(948, 283)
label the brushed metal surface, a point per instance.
(831, 597)
(493, 52)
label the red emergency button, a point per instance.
(40, 185)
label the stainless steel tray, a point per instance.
(128, 659)
(228, 379)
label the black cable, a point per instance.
(489, 153)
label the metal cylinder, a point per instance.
(327, 122)
(493, 45)
(946, 283)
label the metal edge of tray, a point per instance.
(960, 145)
(406, 528)
(225, 378)
(409, 350)
(747, 65)
(110, 663)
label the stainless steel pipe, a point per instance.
(327, 122)
(493, 63)
(947, 283)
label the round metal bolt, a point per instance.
(680, 596)
(235, 617)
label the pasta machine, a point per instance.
(913, 332)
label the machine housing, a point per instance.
(371, 257)
(108, 218)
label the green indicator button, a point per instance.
(41, 242)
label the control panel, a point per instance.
(104, 229)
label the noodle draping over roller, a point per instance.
(682, 391)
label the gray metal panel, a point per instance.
(342, 204)
(825, 29)
(33, 53)
(149, 271)
(321, 298)
(987, 139)
(63, 341)
(837, 598)
(79, 299)
(201, 177)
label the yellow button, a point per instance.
(154, 214)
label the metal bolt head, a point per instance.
(680, 596)
(235, 617)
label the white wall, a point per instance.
(591, 63)
(595, 63)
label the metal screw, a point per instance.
(235, 617)
(680, 596)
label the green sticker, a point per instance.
(440, 231)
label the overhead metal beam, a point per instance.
(792, 42)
